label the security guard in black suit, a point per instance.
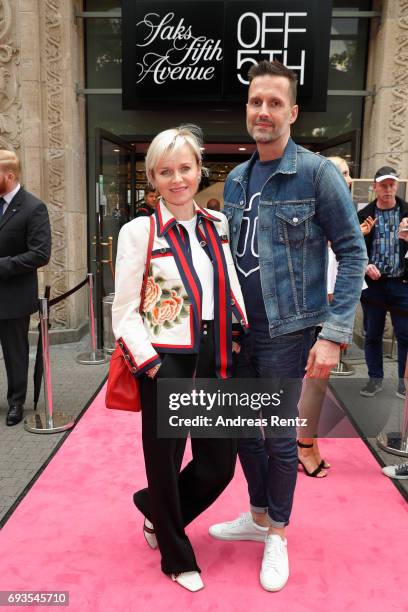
(25, 245)
(150, 203)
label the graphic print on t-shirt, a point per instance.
(247, 257)
(247, 251)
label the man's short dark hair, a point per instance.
(149, 189)
(275, 68)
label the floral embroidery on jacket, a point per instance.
(152, 294)
(162, 306)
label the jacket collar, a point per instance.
(17, 198)
(370, 209)
(288, 164)
(165, 220)
(399, 203)
(13, 207)
(9, 197)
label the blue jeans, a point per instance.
(270, 463)
(394, 293)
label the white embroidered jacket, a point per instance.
(171, 317)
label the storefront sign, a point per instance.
(188, 52)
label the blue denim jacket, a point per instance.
(302, 205)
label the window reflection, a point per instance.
(343, 115)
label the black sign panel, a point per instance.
(172, 51)
(201, 51)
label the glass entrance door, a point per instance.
(345, 145)
(115, 201)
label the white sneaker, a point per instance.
(243, 528)
(399, 472)
(148, 532)
(189, 580)
(275, 564)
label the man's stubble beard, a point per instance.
(262, 137)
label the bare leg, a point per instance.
(260, 518)
(280, 531)
(310, 405)
(307, 457)
(318, 456)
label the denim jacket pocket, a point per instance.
(228, 212)
(231, 207)
(294, 220)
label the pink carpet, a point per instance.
(78, 530)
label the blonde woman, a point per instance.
(184, 330)
(315, 390)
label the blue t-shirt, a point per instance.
(385, 253)
(247, 251)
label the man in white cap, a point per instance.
(387, 279)
(399, 471)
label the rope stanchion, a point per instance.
(95, 356)
(396, 442)
(342, 368)
(50, 422)
(64, 296)
(38, 367)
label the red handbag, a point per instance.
(123, 392)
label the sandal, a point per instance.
(325, 465)
(319, 468)
(149, 534)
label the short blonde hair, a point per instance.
(338, 161)
(9, 162)
(171, 140)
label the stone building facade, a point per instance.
(385, 129)
(42, 118)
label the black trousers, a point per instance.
(173, 498)
(14, 342)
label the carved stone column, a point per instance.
(52, 142)
(10, 104)
(386, 114)
(385, 139)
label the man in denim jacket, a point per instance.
(283, 205)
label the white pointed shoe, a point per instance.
(189, 580)
(148, 532)
(275, 564)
